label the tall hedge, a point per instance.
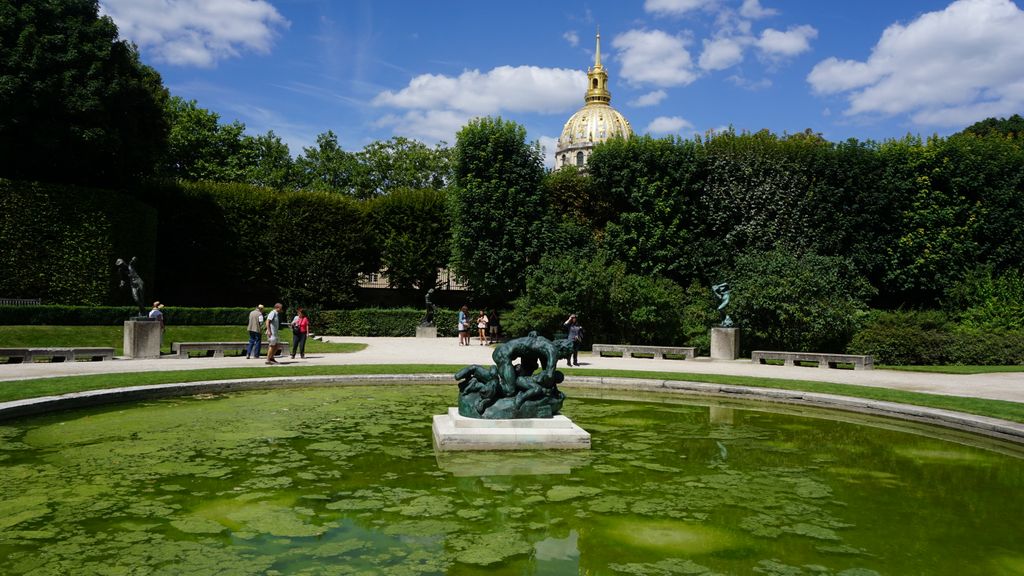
(115, 315)
(59, 243)
(233, 244)
(393, 322)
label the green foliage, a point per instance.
(200, 147)
(326, 167)
(76, 105)
(391, 322)
(987, 301)
(700, 313)
(789, 301)
(501, 220)
(612, 306)
(54, 315)
(60, 242)
(930, 338)
(1012, 127)
(400, 163)
(412, 231)
(238, 244)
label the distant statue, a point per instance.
(428, 317)
(507, 390)
(130, 279)
(722, 292)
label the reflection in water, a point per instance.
(345, 480)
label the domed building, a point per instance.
(596, 122)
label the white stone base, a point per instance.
(426, 331)
(455, 432)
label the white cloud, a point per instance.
(946, 68)
(511, 88)
(676, 7)
(795, 40)
(196, 32)
(752, 9)
(669, 124)
(721, 53)
(654, 57)
(548, 144)
(427, 125)
(649, 99)
(572, 38)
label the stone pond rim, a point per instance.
(982, 425)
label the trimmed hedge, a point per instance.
(396, 322)
(928, 338)
(115, 315)
(60, 242)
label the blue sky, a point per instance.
(371, 69)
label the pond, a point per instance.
(344, 480)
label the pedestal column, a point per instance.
(725, 343)
(142, 338)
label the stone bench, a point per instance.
(217, 349)
(822, 360)
(628, 350)
(28, 355)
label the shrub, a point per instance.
(984, 300)
(699, 315)
(803, 302)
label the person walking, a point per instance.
(575, 335)
(464, 326)
(273, 326)
(255, 328)
(493, 327)
(481, 327)
(300, 331)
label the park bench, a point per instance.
(217, 349)
(628, 350)
(822, 360)
(28, 355)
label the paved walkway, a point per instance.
(1000, 386)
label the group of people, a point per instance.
(271, 326)
(488, 327)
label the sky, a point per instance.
(372, 69)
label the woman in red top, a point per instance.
(300, 331)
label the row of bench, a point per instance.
(179, 349)
(217, 349)
(757, 357)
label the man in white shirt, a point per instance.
(273, 323)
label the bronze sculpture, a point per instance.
(130, 278)
(509, 391)
(722, 292)
(428, 316)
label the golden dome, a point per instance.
(596, 122)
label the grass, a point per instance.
(51, 386)
(113, 336)
(950, 369)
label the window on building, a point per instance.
(579, 158)
(595, 84)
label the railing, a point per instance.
(20, 301)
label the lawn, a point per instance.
(51, 386)
(957, 369)
(113, 336)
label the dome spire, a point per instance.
(597, 79)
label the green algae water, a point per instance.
(345, 480)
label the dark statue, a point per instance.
(428, 317)
(507, 390)
(130, 278)
(722, 292)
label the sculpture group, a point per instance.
(528, 389)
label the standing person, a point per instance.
(464, 326)
(300, 331)
(255, 333)
(575, 335)
(157, 313)
(493, 327)
(273, 324)
(481, 327)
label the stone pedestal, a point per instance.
(725, 343)
(142, 338)
(426, 331)
(455, 432)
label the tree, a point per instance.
(1012, 127)
(270, 163)
(201, 148)
(412, 232)
(76, 105)
(501, 220)
(385, 166)
(326, 168)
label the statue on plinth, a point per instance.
(510, 391)
(722, 292)
(428, 316)
(130, 279)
